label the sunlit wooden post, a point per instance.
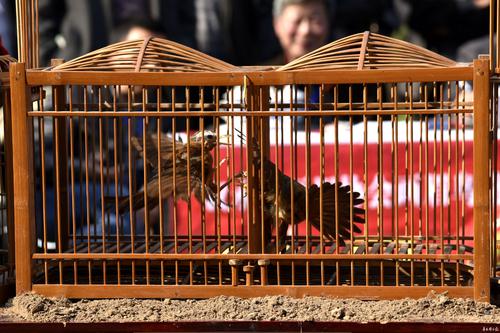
(9, 186)
(259, 231)
(265, 154)
(254, 221)
(24, 198)
(481, 154)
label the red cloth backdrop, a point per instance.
(427, 199)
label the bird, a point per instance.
(277, 203)
(175, 158)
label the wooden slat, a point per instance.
(244, 256)
(367, 293)
(237, 78)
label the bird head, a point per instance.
(209, 139)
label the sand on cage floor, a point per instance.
(433, 308)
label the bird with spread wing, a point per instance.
(179, 167)
(340, 215)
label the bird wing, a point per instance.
(336, 196)
(164, 183)
(165, 148)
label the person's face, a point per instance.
(301, 29)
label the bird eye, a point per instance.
(210, 136)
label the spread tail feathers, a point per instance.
(338, 210)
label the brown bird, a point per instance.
(194, 155)
(278, 205)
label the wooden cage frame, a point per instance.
(353, 72)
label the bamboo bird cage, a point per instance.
(374, 113)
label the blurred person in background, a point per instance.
(8, 26)
(69, 29)
(301, 26)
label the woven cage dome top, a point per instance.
(368, 51)
(5, 60)
(148, 55)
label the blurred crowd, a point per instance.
(247, 32)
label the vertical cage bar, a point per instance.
(203, 181)
(101, 183)
(174, 191)
(232, 173)
(380, 165)
(395, 179)
(412, 184)
(293, 172)
(336, 172)
(61, 170)
(72, 183)
(351, 168)
(441, 175)
(189, 189)
(41, 146)
(147, 227)
(117, 149)
(449, 99)
(481, 155)
(457, 179)
(426, 166)
(463, 156)
(277, 185)
(218, 211)
(264, 103)
(322, 180)
(264, 237)
(161, 206)
(421, 203)
(131, 188)
(308, 181)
